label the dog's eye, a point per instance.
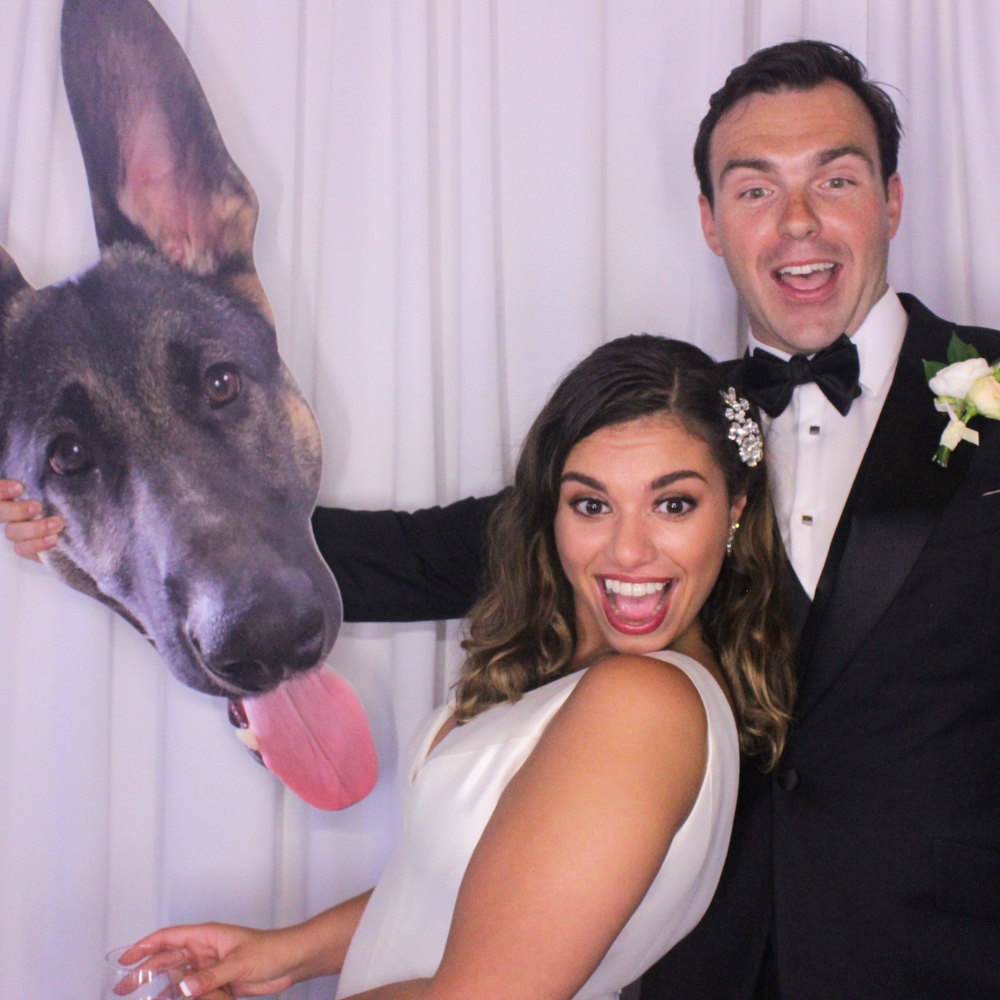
(222, 384)
(69, 456)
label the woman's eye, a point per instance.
(590, 506)
(676, 505)
(222, 385)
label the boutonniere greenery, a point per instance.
(964, 386)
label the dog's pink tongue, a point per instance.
(313, 734)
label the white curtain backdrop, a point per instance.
(460, 198)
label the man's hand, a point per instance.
(29, 532)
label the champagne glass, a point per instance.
(154, 976)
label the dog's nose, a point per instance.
(259, 639)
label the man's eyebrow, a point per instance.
(829, 155)
(673, 477)
(745, 163)
(579, 477)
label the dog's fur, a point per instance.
(145, 402)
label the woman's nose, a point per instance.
(632, 543)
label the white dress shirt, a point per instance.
(813, 453)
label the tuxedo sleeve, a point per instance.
(399, 567)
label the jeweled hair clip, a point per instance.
(742, 429)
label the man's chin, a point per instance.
(805, 327)
(801, 331)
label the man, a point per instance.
(868, 863)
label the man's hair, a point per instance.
(800, 65)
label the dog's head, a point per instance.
(145, 402)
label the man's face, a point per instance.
(801, 216)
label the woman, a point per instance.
(568, 816)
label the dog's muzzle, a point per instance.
(249, 643)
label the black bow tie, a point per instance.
(769, 382)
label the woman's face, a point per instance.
(641, 532)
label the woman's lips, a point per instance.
(635, 615)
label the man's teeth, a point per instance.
(807, 268)
(632, 589)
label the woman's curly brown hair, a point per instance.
(522, 632)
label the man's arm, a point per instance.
(399, 567)
(391, 566)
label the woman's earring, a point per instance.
(729, 540)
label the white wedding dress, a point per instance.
(451, 794)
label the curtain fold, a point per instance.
(459, 199)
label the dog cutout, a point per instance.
(145, 403)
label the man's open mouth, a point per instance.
(635, 607)
(810, 277)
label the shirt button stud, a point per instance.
(789, 779)
(814, 429)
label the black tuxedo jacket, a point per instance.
(868, 863)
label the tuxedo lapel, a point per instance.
(797, 601)
(897, 498)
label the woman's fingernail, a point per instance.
(185, 989)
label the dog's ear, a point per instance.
(158, 169)
(11, 280)
(11, 283)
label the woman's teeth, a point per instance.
(636, 608)
(632, 589)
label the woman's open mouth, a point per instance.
(635, 607)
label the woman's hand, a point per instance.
(29, 532)
(229, 960)
(242, 962)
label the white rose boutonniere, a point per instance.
(964, 386)
(984, 394)
(956, 380)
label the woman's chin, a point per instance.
(638, 640)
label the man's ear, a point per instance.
(708, 226)
(894, 202)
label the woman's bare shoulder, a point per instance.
(639, 716)
(643, 691)
(612, 778)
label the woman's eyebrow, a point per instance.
(579, 477)
(672, 477)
